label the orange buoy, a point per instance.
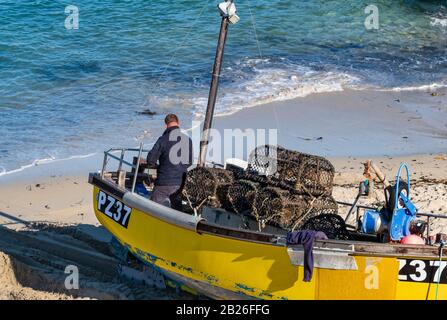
(412, 239)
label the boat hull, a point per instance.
(222, 267)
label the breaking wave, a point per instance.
(442, 22)
(259, 81)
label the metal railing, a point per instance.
(428, 216)
(109, 154)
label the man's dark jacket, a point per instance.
(171, 172)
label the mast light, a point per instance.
(228, 9)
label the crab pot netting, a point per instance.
(302, 172)
(275, 206)
(241, 195)
(331, 224)
(207, 186)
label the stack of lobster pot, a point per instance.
(299, 172)
(284, 188)
(207, 187)
(280, 187)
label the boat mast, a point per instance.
(228, 12)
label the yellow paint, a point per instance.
(374, 279)
(259, 270)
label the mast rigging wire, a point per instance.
(172, 59)
(253, 23)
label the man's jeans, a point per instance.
(161, 194)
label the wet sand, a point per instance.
(352, 123)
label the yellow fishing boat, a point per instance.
(207, 254)
(223, 262)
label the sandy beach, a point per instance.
(47, 221)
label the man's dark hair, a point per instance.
(171, 118)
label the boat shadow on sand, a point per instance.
(34, 261)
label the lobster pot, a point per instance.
(316, 176)
(299, 172)
(207, 186)
(311, 207)
(222, 197)
(265, 181)
(280, 208)
(263, 160)
(241, 195)
(331, 224)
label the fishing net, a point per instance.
(207, 186)
(331, 224)
(278, 207)
(303, 173)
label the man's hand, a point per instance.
(152, 174)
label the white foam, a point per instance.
(273, 80)
(38, 162)
(438, 22)
(275, 84)
(426, 87)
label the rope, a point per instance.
(304, 215)
(197, 208)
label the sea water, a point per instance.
(72, 81)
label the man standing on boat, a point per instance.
(173, 151)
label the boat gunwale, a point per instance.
(202, 226)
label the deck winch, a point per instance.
(398, 218)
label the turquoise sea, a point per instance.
(73, 92)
